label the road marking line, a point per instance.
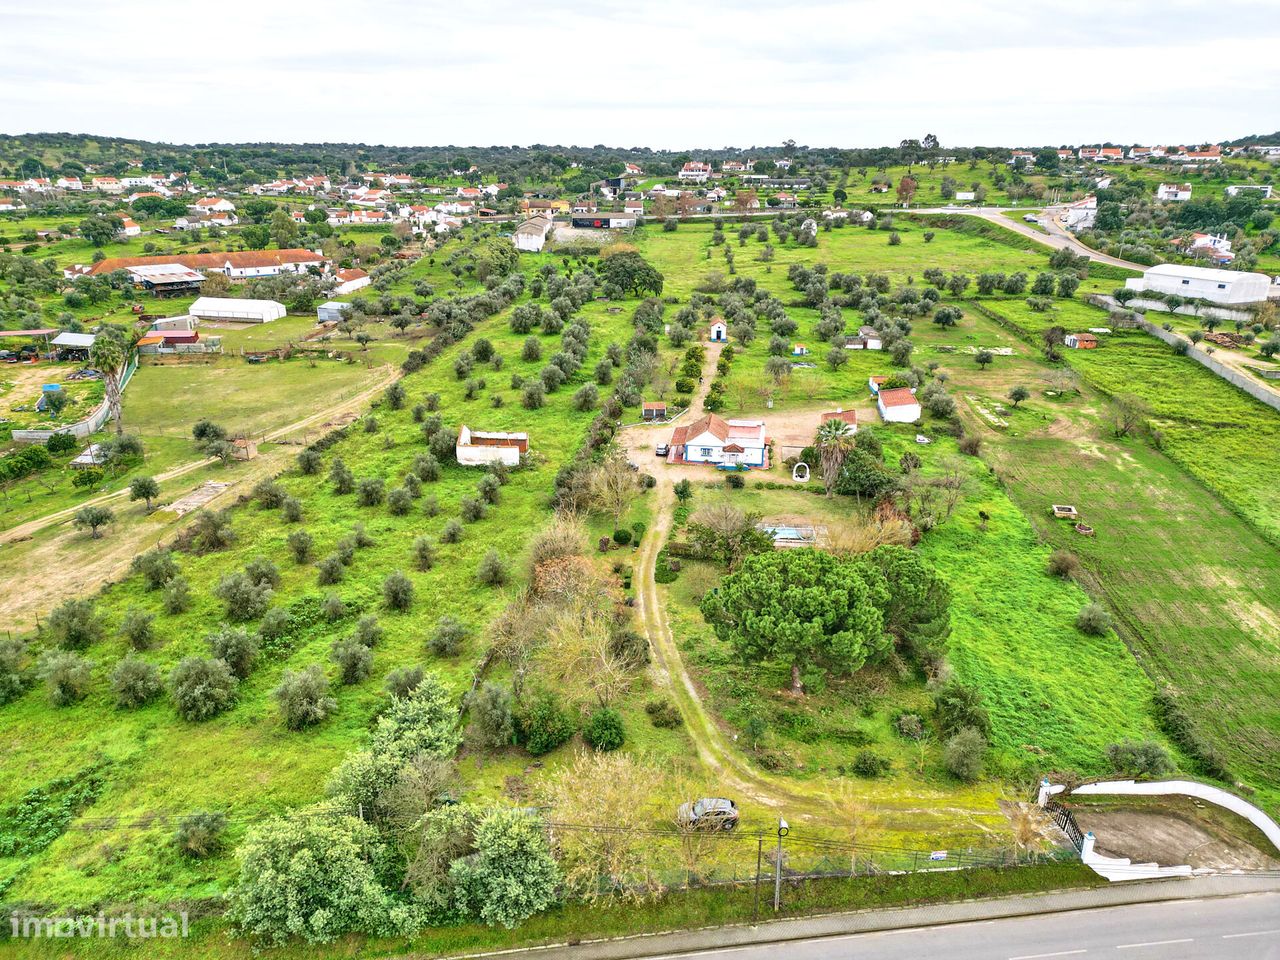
(1037, 956)
(1255, 933)
(1153, 943)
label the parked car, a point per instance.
(1030, 218)
(661, 450)
(709, 813)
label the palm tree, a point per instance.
(834, 442)
(109, 354)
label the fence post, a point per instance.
(777, 866)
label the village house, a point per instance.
(1066, 154)
(695, 171)
(716, 441)
(653, 410)
(1088, 153)
(351, 280)
(583, 205)
(738, 166)
(531, 236)
(69, 183)
(128, 228)
(1108, 154)
(868, 338)
(898, 405)
(213, 205)
(1262, 188)
(107, 185)
(786, 201)
(1021, 156)
(239, 265)
(848, 417)
(635, 207)
(476, 449)
(631, 170)
(1174, 192)
(1081, 214)
(1207, 246)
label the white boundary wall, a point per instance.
(1122, 868)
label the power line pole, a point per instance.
(783, 829)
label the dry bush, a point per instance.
(605, 790)
(564, 537)
(861, 824)
(577, 657)
(856, 535)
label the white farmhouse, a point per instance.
(1174, 191)
(213, 205)
(898, 405)
(531, 236)
(718, 441)
(1081, 214)
(695, 171)
(1204, 283)
(476, 449)
(1262, 188)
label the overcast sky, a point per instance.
(644, 72)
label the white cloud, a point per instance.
(659, 73)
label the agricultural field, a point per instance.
(453, 564)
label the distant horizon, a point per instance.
(779, 147)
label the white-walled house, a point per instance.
(868, 338)
(531, 236)
(718, 441)
(128, 228)
(695, 171)
(349, 281)
(1204, 283)
(1081, 214)
(213, 205)
(476, 449)
(718, 332)
(898, 405)
(1174, 191)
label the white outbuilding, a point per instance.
(238, 311)
(476, 449)
(1203, 283)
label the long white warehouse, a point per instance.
(1204, 283)
(242, 311)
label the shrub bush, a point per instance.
(368, 631)
(333, 608)
(330, 570)
(74, 624)
(604, 731)
(202, 688)
(959, 706)
(909, 725)
(397, 591)
(663, 713)
(137, 627)
(243, 597)
(66, 676)
(622, 536)
(1093, 619)
(353, 658)
(309, 462)
(303, 697)
(236, 647)
(370, 491)
(300, 545)
(492, 571)
(135, 682)
(491, 716)
(451, 533)
(448, 637)
(424, 553)
(177, 596)
(401, 682)
(472, 509)
(735, 481)
(870, 764)
(12, 654)
(275, 624)
(156, 566)
(544, 725)
(1064, 564)
(1145, 760)
(291, 509)
(399, 502)
(200, 835)
(963, 754)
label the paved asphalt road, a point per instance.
(1235, 928)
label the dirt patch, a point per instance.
(1170, 838)
(198, 497)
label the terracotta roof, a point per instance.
(353, 274)
(709, 424)
(733, 448)
(655, 405)
(678, 436)
(197, 261)
(898, 397)
(848, 416)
